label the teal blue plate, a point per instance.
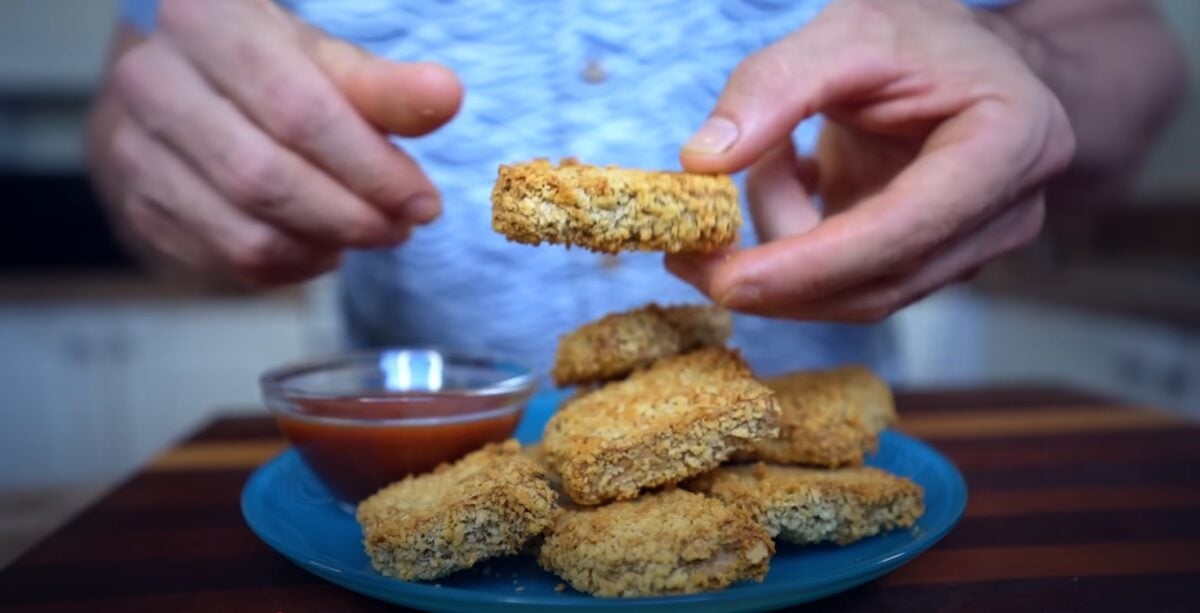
(289, 509)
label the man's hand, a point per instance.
(251, 147)
(932, 161)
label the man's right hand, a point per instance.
(251, 147)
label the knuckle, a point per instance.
(176, 16)
(908, 266)
(254, 255)
(391, 190)
(139, 216)
(924, 239)
(300, 114)
(130, 73)
(765, 74)
(1050, 140)
(880, 12)
(860, 9)
(865, 19)
(127, 152)
(364, 231)
(384, 190)
(147, 225)
(256, 178)
(138, 89)
(819, 286)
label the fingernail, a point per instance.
(741, 296)
(716, 135)
(422, 208)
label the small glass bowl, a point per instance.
(364, 420)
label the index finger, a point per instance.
(959, 179)
(773, 90)
(255, 58)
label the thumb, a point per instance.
(778, 187)
(773, 90)
(404, 98)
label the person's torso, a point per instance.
(607, 82)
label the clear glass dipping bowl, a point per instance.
(363, 420)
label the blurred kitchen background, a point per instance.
(101, 366)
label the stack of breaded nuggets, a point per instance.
(633, 490)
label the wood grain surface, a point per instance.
(1076, 504)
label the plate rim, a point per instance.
(844, 579)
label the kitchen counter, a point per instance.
(1076, 504)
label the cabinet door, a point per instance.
(61, 416)
(190, 360)
(942, 339)
(1136, 360)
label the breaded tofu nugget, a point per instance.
(672, 542)
(487, 504)
(678, 418)
(537, 453)
(614, 209)
(827, 418)
(810, 505)
(699, 325)
(617, 344)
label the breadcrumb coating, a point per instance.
(614, 209)
(489, 503)
(699, 325)
(617, 344)
(808, 506)
(678, 418)
(827, 418)
(537, 453)
(671, 542)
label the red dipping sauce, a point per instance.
(362, 421)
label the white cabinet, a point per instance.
(187, 361)
(961, 338)
(54, 45)
(1136, 360)
(92, 388)
(60, 416)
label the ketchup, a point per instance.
(354, 459)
